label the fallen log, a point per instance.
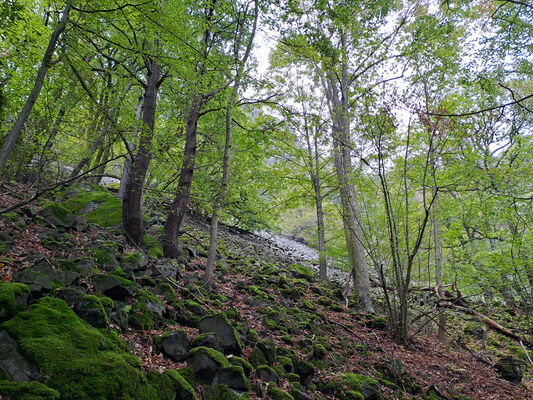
(443, 303)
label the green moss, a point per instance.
(219, 392)
(168, 292)
(62, 213)
(163, 384)
(292, 377)
(131, 259)
(252, 336)
(257, 357)
(319, 352)
(107, 210)
(359, 383)
(27, 391)
(277, 394)
(180, 383)
(153, 247)
(9, 293)
(303, 272)
(118, 271)
(241, 362)
(286, 363)
(217, 356)
(141, 317)
(79, 361)
(188, 375)
(107, 302)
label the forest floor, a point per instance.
(457, 369)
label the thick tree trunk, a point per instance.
(178, 208)
(131, 204)
(39, 80)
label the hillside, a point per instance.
(87, 316)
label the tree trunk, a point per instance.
(131, 147)
(7, 148)
(178, 208)
(343, 166)
(441, 335)
(131, 204)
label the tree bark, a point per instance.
(131, 147)
(338, 98)
(219, 200)
(13, 135)
(131, 204)
(178, 208)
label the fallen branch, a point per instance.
(39, 193)
(487, 321)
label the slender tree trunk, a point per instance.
(131, 203)
(441, 335)
(7, 148)
(322, 261)
(219, 200)
(178, 208)
(131, 147)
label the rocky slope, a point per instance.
(84, 315)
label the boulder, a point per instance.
(208, 339)
(204, 362)
(6, 241)
(58, 276)
(266, 374)
(175, 345)
(113, 286)
(305, 370)
(510, 369)
(13, 298)
(39, 284)
(91, 310)
(233, 377)
(59, 216)
(268, 348)
(12, 363)
(219, 324)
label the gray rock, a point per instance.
(176, 346)
(268, 349)
(18, 368)
(91, 310)
(203, 363)
(39, 284)
(266, 374)
(113, 287)
(208, 339)
(233, 377)
(220, 325)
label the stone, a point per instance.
(113, 286)
(175, 345)
(377, 323)
(59, 216)
(204, 362)
(12, 363)
(266, 374)
(510, 369)
(233, 377)
(91, 310)
(63, 278)
(40, 285)
(306, 371)
(14, 297)
(219, 324)
(208, 339)
(268, 348)
(6, 241)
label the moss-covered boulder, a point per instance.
(39, 284)
(219, 324)
(276, 393)
(13, 298)
(220, 392)
(95, 203)
(241, 362)
(184, 390)
(90, 309)
(299, 271)
(79, 362)
(268, 348)
(257, 357)
(208, 339)
(57, 215)
(204, 362)
(366, 386)
(27, 391)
